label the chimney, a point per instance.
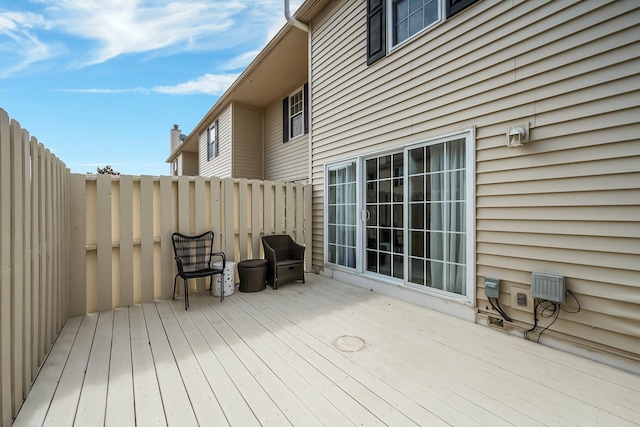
(175, 138)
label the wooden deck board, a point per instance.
(120, 409)
(93, 398)
(271, 358)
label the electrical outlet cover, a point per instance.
(491, 287)
(514, 299)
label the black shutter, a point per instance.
(285, 119)
(376, 30)
(305, 113)
(455, 6)
(217, 143)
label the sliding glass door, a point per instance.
(404, 214)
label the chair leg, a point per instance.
(175, 282)
(221, 287)
(186, 294)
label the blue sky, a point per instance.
(103, 81)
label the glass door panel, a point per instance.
(342, 215)
(385, 215)
(437, 235)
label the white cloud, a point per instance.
(135, 26)
(19, 46)
(110, 28)
(209, 84)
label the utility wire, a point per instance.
(549, 309)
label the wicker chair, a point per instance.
(285, 259)
(194, 256)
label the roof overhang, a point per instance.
(279, 67)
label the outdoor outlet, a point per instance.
(521, 299)
(496, 322)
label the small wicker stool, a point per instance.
(253, 275)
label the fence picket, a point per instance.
(26, 256)
(216, 215)
(229, 227)
(17, 267)
(5, 271)
(105, 245)
(78, 276)
(280, 207)
(256, 216)
(166, 246)
(35, 257)
(126, 240)
(199, 218)
(268, 197)
(147, 293)
(290, 210)
(44, 277)
(243, 217)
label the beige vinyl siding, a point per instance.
(188, 163)
(218, 166)
(247, 142)
(567, 202)
(283, 161)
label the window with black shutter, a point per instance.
(376, 30)
(407, 18)
(295, 114)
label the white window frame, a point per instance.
(391, 24)
(300, 113)
(175, 167)
(358, 236)
(211, 142)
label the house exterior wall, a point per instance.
(187, 164)
(283, 161)
(568, 201)
(247, 142)
(220, 166)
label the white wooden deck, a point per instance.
(277, 358)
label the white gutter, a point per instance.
(293, 21)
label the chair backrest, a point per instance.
(280, 243)
(194, 251)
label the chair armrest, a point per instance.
(296, 251)
(179, 264)
(270, 254)
(224, 258)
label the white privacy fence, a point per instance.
(73, 244)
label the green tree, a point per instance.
(107, 170)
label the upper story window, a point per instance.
(296, 107)
(409, 17)
(295, 114)
(175, 167)
(391, 22)
(212, 141)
